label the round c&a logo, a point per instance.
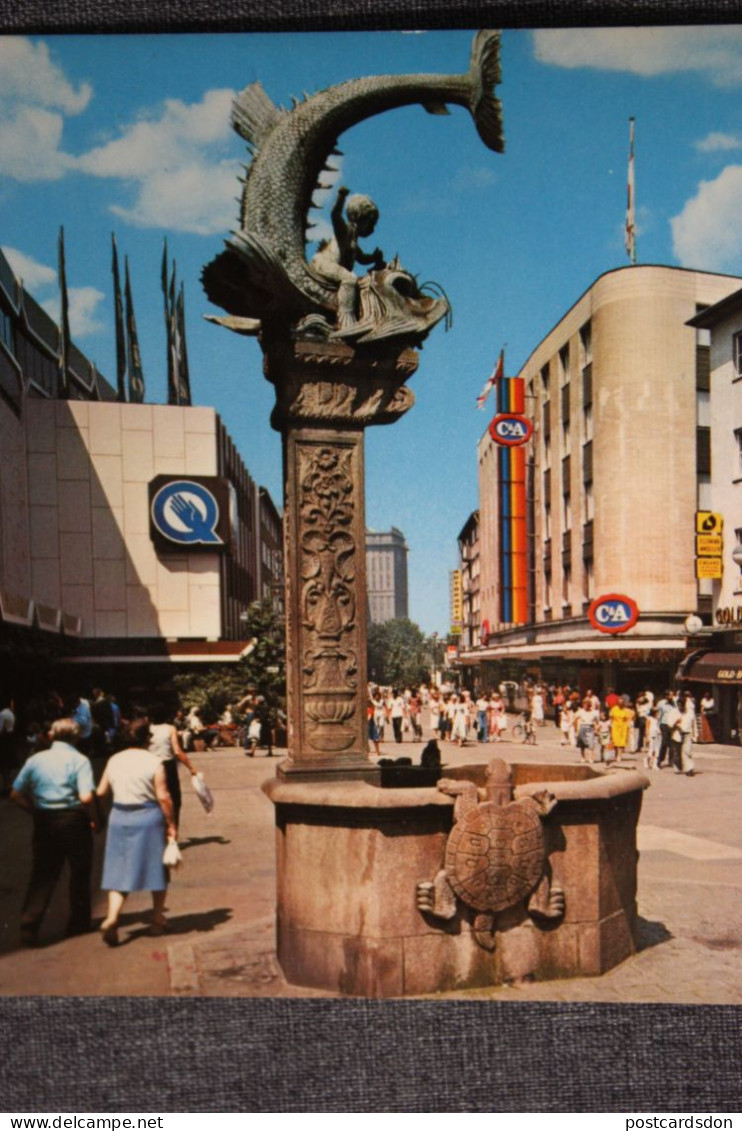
(613, 612)
(187, 513)
(511, 429)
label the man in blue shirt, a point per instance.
(56, 787)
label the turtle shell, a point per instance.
(495, 855)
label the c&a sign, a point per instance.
(511, 429)
(613, 613)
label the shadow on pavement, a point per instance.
(178, 925)
(198, 841)
(651, 933)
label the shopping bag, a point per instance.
(171, 857)
(203, 793)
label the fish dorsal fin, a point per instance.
(254, 114)
(434, 107)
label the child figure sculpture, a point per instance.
(335, 258)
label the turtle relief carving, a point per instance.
(495, 857)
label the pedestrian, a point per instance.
(537, 706)
(708, 711)
(585, 721)
(566, 717)
(653, 737)
(81, 714)
(665, 711)
(141, 820)
(683, 748)
(620, 716)
(164, 742)
(56, 787)
(397, 710)
(7, 744)
(459, 719)
(604, 735)
(373, 730)
(482, 707)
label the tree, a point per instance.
(262, 669)
(397, 654)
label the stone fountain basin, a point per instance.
(350, 855)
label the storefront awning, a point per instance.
(167, 651)
(712, 667)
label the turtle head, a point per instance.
(499, 781)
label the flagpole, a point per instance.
(630, 239)
(64, 318)
(171, 391)
(119, 315)
(136, 374)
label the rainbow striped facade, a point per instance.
(511, 465)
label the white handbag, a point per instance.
(172, 857)
(203, 793)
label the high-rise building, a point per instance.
(386, 575)
(618, 465)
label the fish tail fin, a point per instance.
(254, 114)
(484, 71)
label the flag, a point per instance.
(497, 375)
(136, 376)
(630, 215)
(120, 339)
(64, 320)
(184, 382)
(174, 342)
(172, 395)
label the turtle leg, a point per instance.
(484, 930)
(436, 897)
(547, 901)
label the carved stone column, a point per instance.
(326, 395)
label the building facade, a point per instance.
(91, 571)
(386, 575)
(618, 465)
(715, 662)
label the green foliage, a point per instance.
(262, 670)
(398, 654)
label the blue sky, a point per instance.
(131, 134)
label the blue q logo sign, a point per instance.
(511, 429)
(613, 613)
(186, 512)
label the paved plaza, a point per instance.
(221, 902)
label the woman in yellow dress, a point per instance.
(621, 717)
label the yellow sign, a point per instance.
(709, 568)
(709, 522)
(708, 545)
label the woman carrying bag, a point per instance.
(142, 819)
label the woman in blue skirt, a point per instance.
(141, 820)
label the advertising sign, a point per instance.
(189, 513)
(511, 429)
(613, 613)
(709, 568)
(709, 522)
(708, 545)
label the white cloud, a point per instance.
(30, 141)
(707, 234)
(38, 277)
(718, 142)
(713, 51)
(176, 163)
(28, 75)
(82, 303)
(34, 274)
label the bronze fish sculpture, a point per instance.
(264, 278)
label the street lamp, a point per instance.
(435, 649)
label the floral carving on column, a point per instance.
(328, 598)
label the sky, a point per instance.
(130, 134)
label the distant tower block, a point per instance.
(386, 573)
